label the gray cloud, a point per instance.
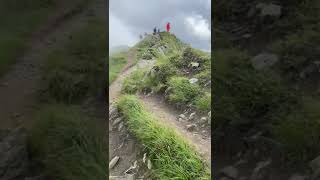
(190, 20)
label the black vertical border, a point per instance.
(212, 90)
(106, 89)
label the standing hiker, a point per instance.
(155, 30)
(168, 27)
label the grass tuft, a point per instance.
(172, 157)
(68, 144)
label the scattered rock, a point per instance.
(182, 116)
(230, 172)
(192, 116)
(209, 114)
(149, 164)
(203, 120)
(144, 158)
(194, 64)
(113, 112)
(13, 154)
(116, 121)
(264, 60)
(191, 127)
(193, 80)
(113, 162)
(246, 35)
(180, 119)
(260, 172)
(120, 126)
(272, 10)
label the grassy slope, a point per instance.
(19, 19)
(77, 69)
(172, 157)
(69, 143)
(116, 62)
(244, 95)
(170, 74)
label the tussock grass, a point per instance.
(68, 144)
(78, 69)
(116, 63)
(171, 156)
(19, 19)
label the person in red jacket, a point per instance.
(168, 27)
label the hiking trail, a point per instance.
(162, 112)
(20, 85)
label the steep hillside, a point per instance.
(266, 84)
(165, 92)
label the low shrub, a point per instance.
(79, 69)
(183, 91)
(296, 52)
(299, 132)
(203, 103)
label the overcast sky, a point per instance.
(190, 20)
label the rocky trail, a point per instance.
(183, 126)
(123, 147)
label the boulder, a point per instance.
(230, 172)
(182, 116)
(264, 60)
(113, 162)
(191, 127)
(193, 80)
(194, 64)
(203, 120)
(116, 121)
(192, 116)
(269, 9)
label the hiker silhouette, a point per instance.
(155, 30)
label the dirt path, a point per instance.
(120, 142)
(168, 117)
(19, 87)
(115, 87)
(122, 145)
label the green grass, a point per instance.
(299, 131)
(203, 103)
(78, 68)
(182, 91)
(116, 63)
(68, 144)
(171, 156)
(19, 19)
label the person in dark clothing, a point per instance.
(158, 31)
(155, 30)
